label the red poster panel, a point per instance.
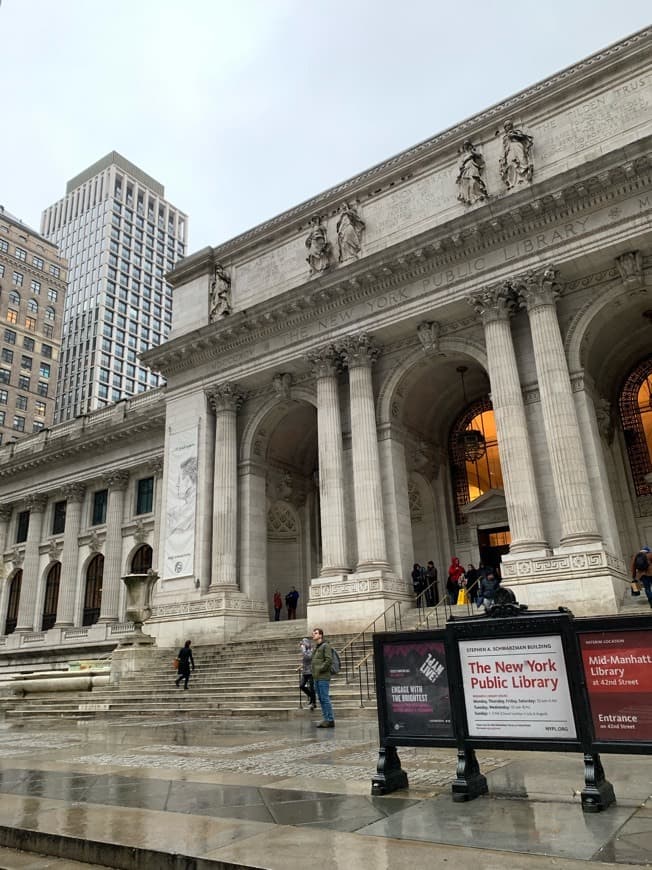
(618, 671)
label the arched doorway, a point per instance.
(93, 590)
(14, 600)
(51, 597)
(635, 406)
(141, 561)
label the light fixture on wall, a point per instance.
(471, 441)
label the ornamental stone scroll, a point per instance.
(429, 332)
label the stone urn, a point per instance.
(139, 606)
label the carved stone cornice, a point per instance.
(493, 303)
(325, 362)
(377, 179)
(74, 492)
(358, 350)
(537, 288)
(117, 480)
(225, 397)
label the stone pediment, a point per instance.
(489, 507)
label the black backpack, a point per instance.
(641, 562)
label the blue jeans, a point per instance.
(647, 585)
(322, 688)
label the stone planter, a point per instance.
(139, 606)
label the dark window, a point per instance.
(100, 499)
(28, 344)
(22, 527)
(142, 560)
(51, 596)
(93, 591)
(14, 601)
(59, 518)
(10, 336)
(145, 495)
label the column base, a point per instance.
(349, 603)
(588, 580)
(213, 618)
(540, 548)
(372, 567)
(335, 572)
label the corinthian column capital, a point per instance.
(496, 302)
(117, 480)
(36, 503)
(225, 397)
(324, 362)
(537, 288)
(6, 511)
(359, 351)
(74, 492)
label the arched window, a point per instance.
(93, 592)
(474, 472)
(14, 297)
(635, 405)
(14, 601)
(32, 306)
(141, 562)
(51, 597)
(49, 313)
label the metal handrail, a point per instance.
(347, 651)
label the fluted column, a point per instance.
(6, 511)
(117, 483)
(156, 467)
(567, 463)
(494, 305)
(29, 588)
(359, 353)
(225, 400)
(74, 495)
(331, 477)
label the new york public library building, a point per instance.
(450, 354)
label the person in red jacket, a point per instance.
(278, 605)
(455, 575)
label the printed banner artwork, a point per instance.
(416, 689)
(517, 687)
(181, 504)
(618, 672)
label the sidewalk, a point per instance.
(252, 793)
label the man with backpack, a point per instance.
(642, 573)
(322, 668)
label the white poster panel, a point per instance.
(181, 504)
(516, 687)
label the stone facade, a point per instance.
(307, 427)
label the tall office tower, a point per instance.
(32, 292)
(120, 237)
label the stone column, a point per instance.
(117, 483)
(29, 587)
(225, 400)
(74, 495)
(359, 354)
(324, 364)
(6, 512)
(567, 462)
(494, 305)
(156, 467)
(252, 504)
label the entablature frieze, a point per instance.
(482, 249)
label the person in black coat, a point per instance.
(185, 662)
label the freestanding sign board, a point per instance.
(617, 659)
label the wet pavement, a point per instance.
(254, 793)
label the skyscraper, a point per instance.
(32, 292)
(120, 236)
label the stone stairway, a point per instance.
(253, 675)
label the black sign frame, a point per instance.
(554, 623)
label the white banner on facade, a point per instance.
(516, 687)
(181, 504)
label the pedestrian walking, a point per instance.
(307, 685)
(186, 661)
(322, 661)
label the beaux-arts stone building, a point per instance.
(448, 354)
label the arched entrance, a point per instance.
(51, 599)
(14, 601)
(93, 590)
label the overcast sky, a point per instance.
(244, 108)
